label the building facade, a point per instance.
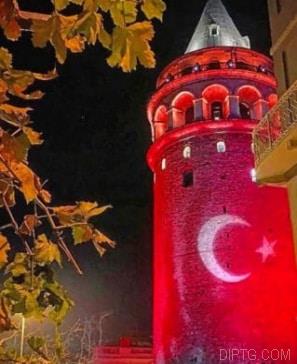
(275, 136)
(127, 352)
(224, 268)
(283, 24)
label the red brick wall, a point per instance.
(196, 313)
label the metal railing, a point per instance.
(276, 124)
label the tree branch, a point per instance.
(61, 242)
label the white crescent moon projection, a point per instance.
(206, 240)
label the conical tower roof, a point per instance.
(216, 28)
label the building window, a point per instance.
(245, 111)
(278, 6)
(286, 69)
(163, 164)
(187, 152)
(221, 147)
(253, 175)
(214, 30)
(216, 110)
(188, 179)
(215, 65)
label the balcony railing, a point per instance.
(276, 124)
(196, 68)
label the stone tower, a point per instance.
(224, 268)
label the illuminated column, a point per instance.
(176, 117)
(200, 106)
(234, 111)
(260, 108)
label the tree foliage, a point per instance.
(44, 229)
(73, 24)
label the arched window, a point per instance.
(245, 111)
(248, 96)
(221, 147)
(216, 97)
(216, 110)
(183, 109)
(187, 152)
(214, 30)
(253, 174)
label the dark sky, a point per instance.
(94, 123)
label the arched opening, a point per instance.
(221, 147)
(183, 109)
(248, 98)
(187, 152)
(160, 121)
(217, 110)
(217, 98)
(245, 112)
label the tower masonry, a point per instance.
(224, 268)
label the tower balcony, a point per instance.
(275, 141)
(212, 60)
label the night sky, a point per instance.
(94, 123)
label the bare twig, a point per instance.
(16, 226)
(61, 242)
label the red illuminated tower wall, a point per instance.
(224, 268)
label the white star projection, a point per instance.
(266, 250)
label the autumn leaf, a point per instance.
(104, 38)
(67, 214)
(18, 266)
(61, 300)
(153, 8)
(5, 59)
(33, 136)
(122, 12)
(42, 32)
(100, 238)
(80, 212)
(75, 44)
(5, 316)
(45, 251)
(14, 115)
(14, 148)
(28, 225)
(90, 209)
(7, 193)
(89, 25)
(27, 179)
(45, 195)
(8, 20)
(81, 233)
(60, 4)
(18, 82)
(4, 248)
(50, 31)
(131, 45)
